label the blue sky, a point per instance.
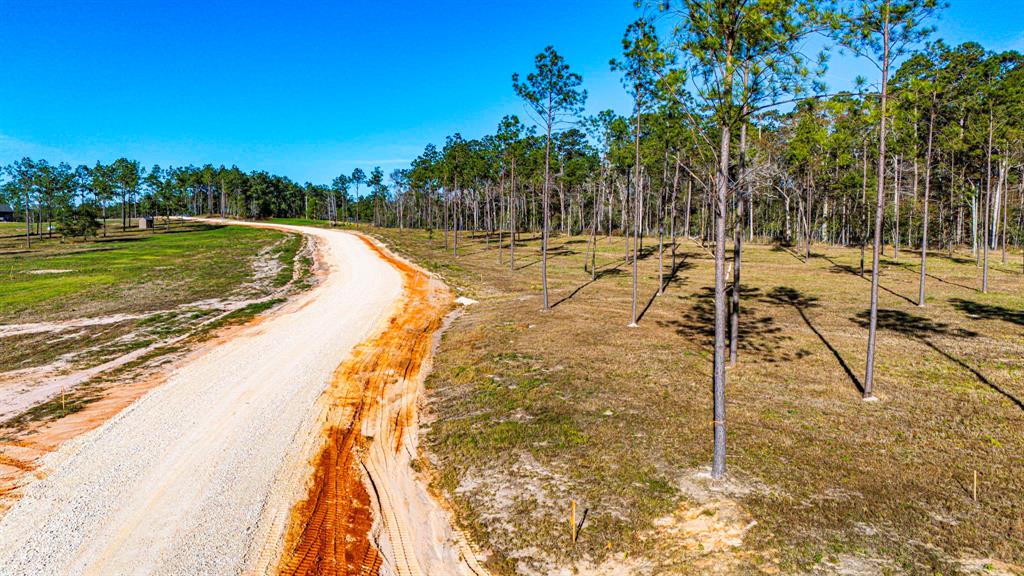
(311, 89)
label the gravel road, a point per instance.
(180, 482)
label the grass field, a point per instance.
(128, 272)
(86, 304)
(302, 222)
(529, 411)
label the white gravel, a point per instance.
(177, 483)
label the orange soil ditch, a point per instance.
(329, 532)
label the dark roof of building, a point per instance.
(6, 208)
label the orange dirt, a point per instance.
(18, 456)
(15, 463)
(329, 532)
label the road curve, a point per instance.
(181, 481)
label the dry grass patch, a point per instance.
(531, 410)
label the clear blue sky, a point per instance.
(310, 89)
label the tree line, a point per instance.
(84, 200)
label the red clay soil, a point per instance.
(329, 532)
(18, 456)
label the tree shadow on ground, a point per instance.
(839, 268)
(787, 250)
(86, 249)
(917, 268)
(483, 235)
(682, 263)
(958, 259)
(195, 228)
(759, 335)
(552, 253)
(561, 250)
(528, 264)
(601, 273)
(923, 329)
(644, 253)
(504, 244)
(464, 254)
(670, 279)
(911, 325)
(988, 311)
(784, 295)
(520, 242)
(128, 239)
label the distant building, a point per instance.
(6, 213)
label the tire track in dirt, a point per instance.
(362, 498)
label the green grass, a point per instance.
(132, 273)
(160, 279)
(304, 222)
(241, 315)
(529, 410)
(286, 253)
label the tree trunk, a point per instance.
(927, 190)
(593, 231)
(672, 214)
(28, 221)
(661, 225)
(718, 384)
(689, 197)
(988, 199)
(974, 227)
(896, 208)
(869, 375)
(456, 213)
(499, 213)
(864, 208)
(512, 219)
(561, 205)
(637, 218)
(737, 249)
(1005, 187)
(544, 231)
(808, 220)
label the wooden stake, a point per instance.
(572, 521)
(975, 493)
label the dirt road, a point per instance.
(217, 470)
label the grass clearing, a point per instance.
(130, 272)
(529, 410)
(153, 293)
